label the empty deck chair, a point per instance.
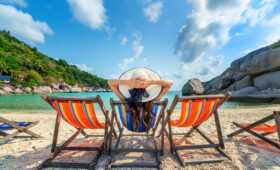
(195, 111)
(128, 122)
(80, 113)
(21, 127)
(262, 128)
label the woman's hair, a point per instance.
(146, 109)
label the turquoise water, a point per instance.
(34, 102)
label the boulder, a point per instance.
(75, 89)
(244, 91)
(26, 90)
(17, 91)
(269, 80)
(54, 86)
(267, 61)
(7, 89)
(245, 82)
(2, 93)
(193, 86)
(65, 86)
(41, 90)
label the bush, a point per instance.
(1, 84)
(50, 80)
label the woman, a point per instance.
(139, 87)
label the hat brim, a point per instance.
(153, 90)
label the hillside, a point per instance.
(27, 66)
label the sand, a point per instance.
(246, 151)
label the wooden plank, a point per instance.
(135, 150)
(131, 165)
(78, 148)
(196, 146)
(66, 165)
(200, 161)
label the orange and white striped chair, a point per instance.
(195, 110)
(80, 113)
(261, 127)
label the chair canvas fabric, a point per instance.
(128, 122)
(4, 126)
(80, 114)
(196, 111)
(262, 127)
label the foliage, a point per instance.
(275, 45)
(1, 84)
(28, 66)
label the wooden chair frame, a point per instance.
(20, 129)
(57, 149)
(175, 149)
(275, 116)
(116, 148)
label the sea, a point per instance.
(34, 102)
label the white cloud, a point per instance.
(89, 12)
(21, 3)
(274, 21)
(207, 68)
(272, 38)
(22, 25)
(84, 67)
(153, 11)
(145, 61)
(137, 47)
(125, 62)
(256, 16)
(124, 41)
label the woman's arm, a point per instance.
(139, 83)
(166, 84)
(114, 83)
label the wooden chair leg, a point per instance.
(219, 131)
(55, 134)
(277, 122)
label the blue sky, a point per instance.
(180, 39)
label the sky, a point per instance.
(179, 39)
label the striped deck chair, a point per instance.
(195, 111)
(21, 127)
(128, 122)
(80, 113)
(262, 128)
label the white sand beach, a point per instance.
(246, 151)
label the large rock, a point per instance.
(245, 82)
(269, 80)
(41, 90)
(65, 86)
(18, 91)
(26, 89)
(54, 86)
(7, 89)
(267, 61)
(193, 86)
(76, 89)
(2, 92)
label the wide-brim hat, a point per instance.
(153, 90)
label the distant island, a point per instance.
(33, 72)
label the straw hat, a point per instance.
(153, 90)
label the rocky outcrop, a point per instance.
(193, 86)
(252, 78)
(53, 88)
